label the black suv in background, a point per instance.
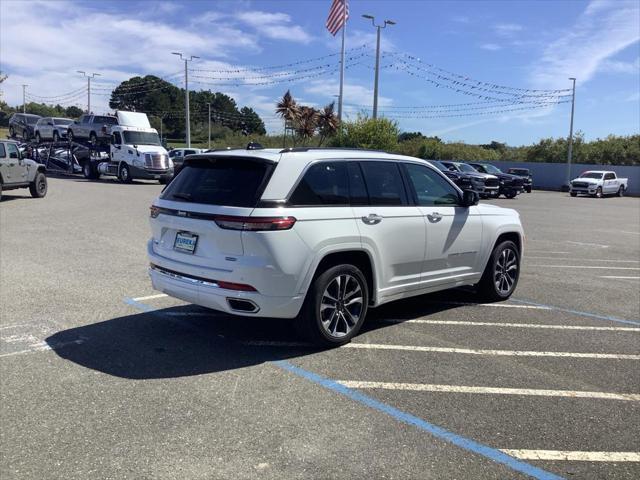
(463, 180)
(23, 124)
(525, 174)
(510, 185)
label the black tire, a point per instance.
(124, 174)
(598, 192)
(12, 132)
(38, 187)
(56, 136)
(0, 190)
(70, 135)
(345, 320)
(511, 195)
(93, 138)
(38, 137)
(573, 194)
(529, 189)
(25, 135)
(496, 274)
(89, 170)
(621, 191)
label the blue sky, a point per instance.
(523, 44)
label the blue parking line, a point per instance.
(578, 312)
(439, 432)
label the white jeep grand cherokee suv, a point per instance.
(321, 235)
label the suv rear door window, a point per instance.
(324, 183)
(233, 182)
(3, 153)
(384, 183)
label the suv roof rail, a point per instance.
(306, 149)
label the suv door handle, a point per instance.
(434, 217)
(372, 219)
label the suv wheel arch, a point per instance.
(358, 258)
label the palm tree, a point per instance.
(307, 122)
(288, 109)
(328, 122)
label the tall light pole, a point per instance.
(209, 141)
(570, 150)
(24, 98)
(186, 94)
(375, 83)
(89, 77)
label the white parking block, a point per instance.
(424, 387)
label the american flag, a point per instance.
(338, 15)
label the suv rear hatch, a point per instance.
(195, 219)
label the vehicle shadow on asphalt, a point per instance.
(190, 340)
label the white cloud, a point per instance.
(605, 28)
(492, 47)
(277, 26)
(616, 66)
(634, 97)
(507, 29)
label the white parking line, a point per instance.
(469, 351)
(586, 266)
(582, 259)
(5, 327)
(574, 456)
(515, 325)
(619, 278)
(424, 387)
(497, 305)
(583, 244)
(150, 297)
(44, 346)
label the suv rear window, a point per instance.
(233, 182)
(323, 184)
(105, 120)
(384, 183)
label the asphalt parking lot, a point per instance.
(101, 377)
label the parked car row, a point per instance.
(485, 178)
(94, 128)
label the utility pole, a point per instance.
(89, 77)
(209, 141)
(186, 94)
(377, 71)
(570, 151)
(24, 99)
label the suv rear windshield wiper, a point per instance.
(183, 196)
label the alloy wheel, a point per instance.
(341, 305)
(506, 271)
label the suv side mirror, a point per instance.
(470, 198)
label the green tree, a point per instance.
(364, 132)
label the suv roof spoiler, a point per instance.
(307, 149)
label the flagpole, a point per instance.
(344, 27)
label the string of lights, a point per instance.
(394, 115)
(276, 67)
(72, 93)
(495, 86)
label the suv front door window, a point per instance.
(390, 228)
(453, 232)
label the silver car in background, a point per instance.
(52, 128)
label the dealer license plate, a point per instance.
(185, 242)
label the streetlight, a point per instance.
(186, 94)
(209, 138)
(570, 152)
(375, 84)
(89, 77)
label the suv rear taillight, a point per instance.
(255, 224)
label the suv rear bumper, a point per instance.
(170, 277)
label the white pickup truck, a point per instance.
(598, 183)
